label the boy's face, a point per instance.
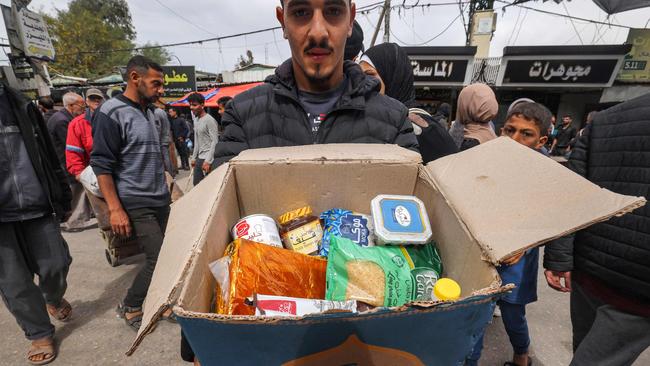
(524, 132)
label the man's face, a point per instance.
(566, 121)
(196, 108)
(317, 31)
(77, 107)
(524, 132)
(172, 113)
(222, 109)
(93, 102)
(149, 85)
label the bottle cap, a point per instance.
(446, 289)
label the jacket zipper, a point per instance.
(13, 170)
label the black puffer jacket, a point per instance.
(614, 153)
(271, 115)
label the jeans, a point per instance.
(604, 335)
(149, 226)
(198, 172)
(514, 320)
(28, 248)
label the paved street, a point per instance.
(96, 337)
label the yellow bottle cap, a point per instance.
(446, 289)
(292, 215)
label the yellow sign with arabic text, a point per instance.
(636, 65)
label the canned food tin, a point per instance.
(257, 228)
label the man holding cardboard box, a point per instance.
(606, 267)
(315, 97)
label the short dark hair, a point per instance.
(141, 65)
(533, 112)
(282, 2)
(196, 98)
(224, 100)
(46, 102)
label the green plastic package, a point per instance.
(381, 276)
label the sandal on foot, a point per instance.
(45, 350)
(136, 320)
(62, 312)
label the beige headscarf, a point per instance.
(477, 106)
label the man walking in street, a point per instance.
(79, 144)
(34, 197)
(73, 106)
(180, 131)
(206, 136)
(131, 173)
(606, 267)
(315, 97)
(46, 106)
(164, 131)
(57, 125)
(565, 134)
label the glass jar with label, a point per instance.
(301, 231)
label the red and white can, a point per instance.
(258, 228)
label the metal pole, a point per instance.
(387, 22)
(381, 18)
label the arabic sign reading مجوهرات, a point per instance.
(566, 72)
(439, 71)
(34, 35)
(179, 80)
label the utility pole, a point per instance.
(381, 18)
(387, 22)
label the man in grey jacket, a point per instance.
(131, 173)
(206, 136)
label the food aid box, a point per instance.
(485, 205)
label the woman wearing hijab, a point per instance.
(390, 64)
(477, 107)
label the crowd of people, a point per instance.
(329, 91)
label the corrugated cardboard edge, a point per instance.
(143, 332)
(640, 202)
(635, 203)
(343, 316)
(372, 153)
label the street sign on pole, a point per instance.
(35, 38)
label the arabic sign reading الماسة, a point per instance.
(35, 37)
(439, 71)
(559, 72)
(179, 80)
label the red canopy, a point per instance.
(213, 95)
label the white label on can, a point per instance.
(260, 229)
(402, 216)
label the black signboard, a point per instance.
(559, 72)
(439, 71)
(179, 80)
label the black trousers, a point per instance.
(28, 248)
(149, 226)
(181, 147)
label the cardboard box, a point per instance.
(484, 204)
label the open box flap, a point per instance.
(186, 225)
(512, 198)
(330, 152)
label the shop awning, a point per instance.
(213, 95)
